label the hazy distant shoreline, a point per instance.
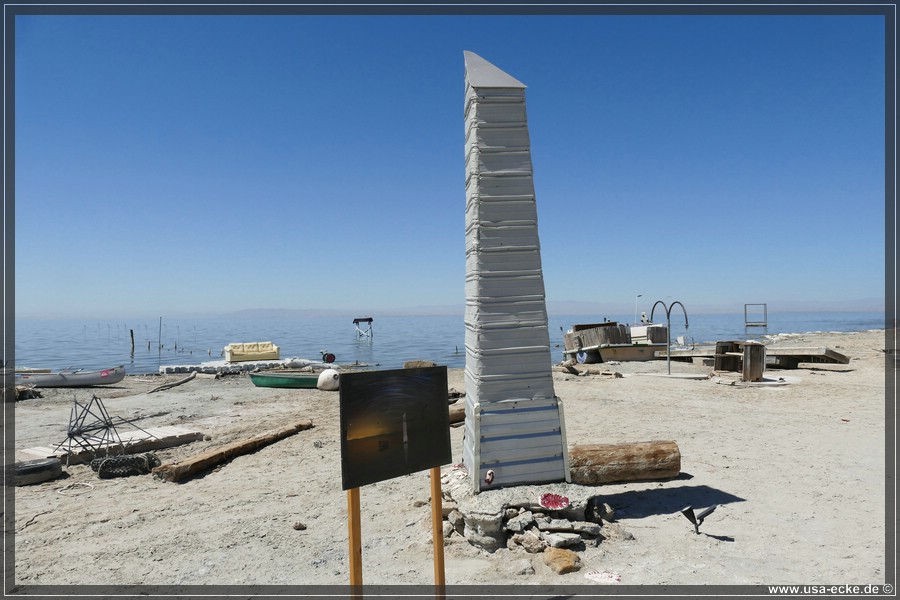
(61, 343)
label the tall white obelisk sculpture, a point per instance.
(514, 430)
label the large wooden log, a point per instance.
(593, 464)
(205, 460)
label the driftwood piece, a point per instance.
(457, 412)
(593, 464)
(166, 386)
(204, 460)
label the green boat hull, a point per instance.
(285, 380)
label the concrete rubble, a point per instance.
(513, 518)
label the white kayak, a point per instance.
(72, 378)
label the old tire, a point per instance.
(36, 471)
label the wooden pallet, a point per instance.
(134, 440)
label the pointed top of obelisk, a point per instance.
(482, 74)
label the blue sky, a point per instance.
(206, 164)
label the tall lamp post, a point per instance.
(635, 308)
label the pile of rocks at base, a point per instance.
(514, 518)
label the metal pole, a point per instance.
(635, 308)
(668, 343)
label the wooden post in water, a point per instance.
(132, 341)
(159, 343)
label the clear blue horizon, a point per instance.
(170, 165)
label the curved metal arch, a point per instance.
(668, 310)
(665, 308)
(683, 309)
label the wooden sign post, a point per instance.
(393, 423)
(355, 537)
(437, 530)
(354, 534)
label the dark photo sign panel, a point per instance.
(393, 423)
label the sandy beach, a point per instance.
(797, 471)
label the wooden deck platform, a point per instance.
(779, 358)
(134, 440)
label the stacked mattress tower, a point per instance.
(514, 428)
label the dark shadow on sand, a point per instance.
(637, 504)
(721, 538)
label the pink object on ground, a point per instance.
(553, 501)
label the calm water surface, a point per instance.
(96, 344)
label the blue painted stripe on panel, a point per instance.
(522, 436)
(493, 411)
(530, 461)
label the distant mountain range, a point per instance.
(554, 308)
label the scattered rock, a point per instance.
(448, 529)
(299, 526)
(530, 542)
(545, 523)
(615, 531)
(519, 523)
(562, 561)
(600, 511)
(564, 525)
(456, 519)
(609, 513)
(485, 530)
(523, 567)
(561, 539)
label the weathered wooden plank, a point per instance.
(180, 470)
(134, 441)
